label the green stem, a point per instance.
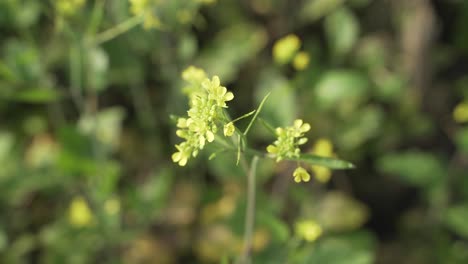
(250, 212)
(256, 114)
(117, 30)
(96, 17)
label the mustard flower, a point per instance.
(79, 213)
(308, 230)
(229, 129)
(460, 113)
(207, 98)
(285, 48)
(323, 147)
(288, 141)
(300, 174)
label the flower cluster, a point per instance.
(288, 141)
(207, 100)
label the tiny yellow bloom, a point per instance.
(300, 174)
(79, 213)
(308, 230)
(229, 129)
(301, 61)
(460, 113)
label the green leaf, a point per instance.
(3, 240)
(36, 95)
(354, 248)
(6, 73)
(281, 94)
(363, 125)
(6, 145)
(414, 167)
(343, 88)
(278, 228)
(331, 163)
(315, 9)
(342, 30)
(461, 138)
(338, 212)
(230, 49)
(456, 219)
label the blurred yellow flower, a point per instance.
(322, 174)
(460, 113)
(285, 48)
(301, 60)
(323, 147)
(261, 238)
(308, 230)
(137, 7)
(79, 213)
(68, 7)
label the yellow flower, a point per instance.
(301, 61)
(79, 213)
(69, 7)
(323, 147)
(288, 141)
(460, 113)
(308, 230)
(300, 174)
(229, 129)
(322, 174)
(285, 48)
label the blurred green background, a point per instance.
(87, 89)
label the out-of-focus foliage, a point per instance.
(87, 89)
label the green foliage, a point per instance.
(87, 88)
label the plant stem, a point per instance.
(117, 30)
(250, 212)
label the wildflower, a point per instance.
(288, 141)
(308, 230)
(285, 48)
(301, 60)
(460, 113)
(207, 98)
(300, 174)
(323, 147)
(137, 7)
(229, 129)
(79, 213)
(68, 7)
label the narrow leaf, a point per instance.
(256, 114)
(331, 163)
(244, 116)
